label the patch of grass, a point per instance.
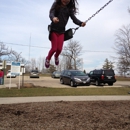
(121, 78)
(29, 92)
(41, 75)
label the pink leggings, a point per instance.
(56, 44)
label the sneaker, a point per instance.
(47, 63)
(56, 61)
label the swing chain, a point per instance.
(98, 11)
(93, 15)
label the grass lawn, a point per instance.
(29, 92)
(120, 78)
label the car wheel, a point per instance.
(72, 84)
(61, 81)
(97, 83)
(110, 84)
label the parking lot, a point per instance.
(51, 82)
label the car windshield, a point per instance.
(78, 73)
(34, 71)
(57, 72)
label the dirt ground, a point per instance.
(90, 115)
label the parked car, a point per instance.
(34, 74)
(102, 76)
(128, 74)
(74, 78)
(56, 74)
(10, 75)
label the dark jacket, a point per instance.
(63, 15)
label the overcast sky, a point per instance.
(24, 23)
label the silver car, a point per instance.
(34, 74)
(56, 74)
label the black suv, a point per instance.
(102, 76)
(74, 78)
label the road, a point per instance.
(51, 82)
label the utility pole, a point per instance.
(4, 67)
(29, 47)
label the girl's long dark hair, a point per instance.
(72, 5)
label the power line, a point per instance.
(25, 45)
(84, 51)
(99, 51)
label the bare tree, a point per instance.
(43, 63)
(15, 56)
(39, 63)
(108, 64)
(71, 54)
(4, 51)
(33, 64)
(51, 69)
(10, 55)
(122, 47)
(122, 66)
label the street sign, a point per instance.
(15, 68)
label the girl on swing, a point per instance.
(60, 12)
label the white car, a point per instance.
(128, 75)
(10, 75)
